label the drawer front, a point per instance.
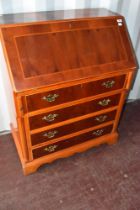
(59, 96)
(45, 150)
(71, 128)
(73, 111)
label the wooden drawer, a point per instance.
(59, 96)
(45, 150)
(41, 120)
(71, 128)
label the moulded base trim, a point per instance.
(31, 167)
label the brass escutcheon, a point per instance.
(104, 102)
(51, 148)
(50, 134)
(50, 117)
(108, 84)
(50, 98)
(98, 132)
(101, 118)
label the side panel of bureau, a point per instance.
(13, 102)
(9, 92)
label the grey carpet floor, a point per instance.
(103, 178)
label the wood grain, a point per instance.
(40, 55)
(70, 142)
(71, 68)
(74, 111)
(73, 127)
(35, 17)
(37, 101)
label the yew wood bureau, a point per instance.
(70, 72)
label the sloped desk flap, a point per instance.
(51, 52)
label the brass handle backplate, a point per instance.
(101, 118)
(50, 98)
(50, 117)
(50, 134)
(104, 102)
(108, 84)
(51, 148)
(98, 132)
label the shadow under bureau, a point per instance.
(70, 72)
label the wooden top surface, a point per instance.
(50, 52)
(54, 15)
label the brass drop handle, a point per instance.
(101, 118)
(50, 134)
(108, 84)
(104, 102)
(51, 148)
(50, 117)
(98, 132)
(50, 98)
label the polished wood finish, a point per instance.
(70, 72)
(74, 111)
(71, 128)
(31, 167)
(49, 53)
(33, 17)
(45, 150)
(38, 101)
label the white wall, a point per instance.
(129, 8)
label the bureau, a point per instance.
(69, 75)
